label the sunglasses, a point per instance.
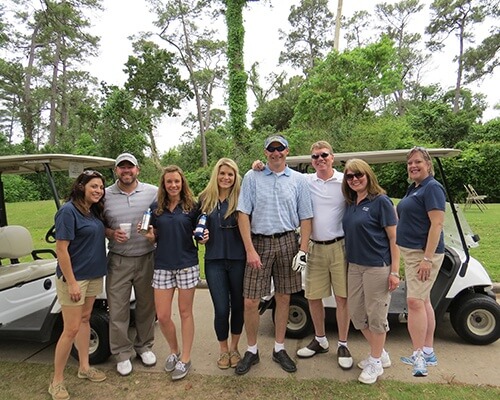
(350, 177)
(322, 155)
(90, 172)
(272, 149)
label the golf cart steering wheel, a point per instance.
(50, 236)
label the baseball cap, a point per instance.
(275, 138)
(126, 157)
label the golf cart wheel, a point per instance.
(99, 338)
(476, 319)
(300, 322)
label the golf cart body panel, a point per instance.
(462, 287)
(29, 309)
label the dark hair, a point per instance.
(77, 194)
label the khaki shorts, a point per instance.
(415, 288)
(88, 288)
(326, 268)
(369, 297)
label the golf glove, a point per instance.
(299, 262)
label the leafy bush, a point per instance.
(19, 189)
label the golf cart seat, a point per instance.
(16, 242)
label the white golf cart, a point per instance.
(29, 309)
(463, 287)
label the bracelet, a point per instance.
(428, 260)
(396, 274)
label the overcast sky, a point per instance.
(124, 18)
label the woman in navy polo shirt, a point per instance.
(420, 239)
(373, 272)
(176, 264)
(225, 258)
(81, 265)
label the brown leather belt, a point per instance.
(273, 236)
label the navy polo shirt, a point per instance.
(87, 248)
(224, 236)
(175, 247)
(414, 223)
(366, 241)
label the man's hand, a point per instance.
(299, 262)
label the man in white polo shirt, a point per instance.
(130, 265)
(326, 263)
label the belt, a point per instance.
(273, 236)
(327, 241)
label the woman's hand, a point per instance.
(393, 282)
(205, 237)
(424, 270)
(74, 291)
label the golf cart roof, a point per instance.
(30, 163)
(372, 157)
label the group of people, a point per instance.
(350, 241)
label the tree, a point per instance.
(456, 17)
(199, 51)
(344, 85)
(356, 29)
(396, 18)
(156, 86)
(310, 37)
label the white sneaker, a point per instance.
(370, 373)
(148, 358)
(124, 368)
(384, 359)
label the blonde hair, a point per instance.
(425, 155)
(187, 199)
(322, 144)
(372, 186)
(209, 197)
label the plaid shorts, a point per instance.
(186, 278)
(276, 256)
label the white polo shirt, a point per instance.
(328, 205)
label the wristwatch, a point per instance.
(396, 274)
(428, 260)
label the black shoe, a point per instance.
(344, 357)
(312, 349)
(282, 358)
(246, 363)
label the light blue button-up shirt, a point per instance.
(276, 202)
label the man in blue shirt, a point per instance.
(272, 205)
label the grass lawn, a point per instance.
(38, 216)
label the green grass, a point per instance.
(38, 217)
(485, 224)
(153, 386)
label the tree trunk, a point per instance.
(53, 92)
(338, 20)
(458, 86)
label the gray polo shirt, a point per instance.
(121, 207)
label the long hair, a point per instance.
(372, 186)
(77, 194)
(210, 195)
(187, 199)
(425, 155)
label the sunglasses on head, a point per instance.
(90, 172)
(322, 155)
(272, 149)
(350, 177)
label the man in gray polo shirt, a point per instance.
(130, 265)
